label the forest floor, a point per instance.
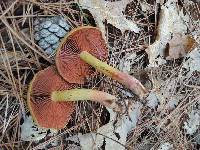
(155, 41)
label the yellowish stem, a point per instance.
(104, 98)
(97, 64)
(124, 78)
(81, 94)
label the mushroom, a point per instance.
(68, 62)
(50, 99)
(84, 46)
(129, 81)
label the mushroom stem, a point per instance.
(104, 98)
(129, 81)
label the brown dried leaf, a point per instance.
(180, 45)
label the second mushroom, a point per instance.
(50, 98)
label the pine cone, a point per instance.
(49, 31)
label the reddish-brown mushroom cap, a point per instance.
(47, 113)
(68, 61)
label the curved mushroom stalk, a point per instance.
(104, 98)
(129, 81)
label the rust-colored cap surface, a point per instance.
(68, 62)
(45, 112)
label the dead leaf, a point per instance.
(170, 23)
(112, 12)
(180, 45)
(116, 129)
